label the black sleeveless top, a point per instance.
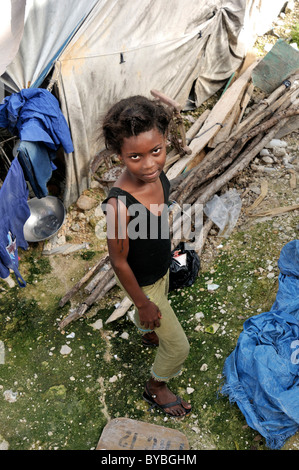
(149, 240)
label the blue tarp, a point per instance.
(262, 373)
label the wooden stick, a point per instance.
(82, 281)
(98, 293)
(97, 278)
(276, 211)
(98, 289)
(260, 198)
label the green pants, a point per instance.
(173, 344)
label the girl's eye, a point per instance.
(135, 157)
(157, 151)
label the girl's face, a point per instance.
(144, 155)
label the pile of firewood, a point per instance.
(219, 145)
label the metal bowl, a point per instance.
(46, 218)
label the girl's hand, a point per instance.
(149, 315)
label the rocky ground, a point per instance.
(58, 389)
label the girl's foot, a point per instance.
(158, 394)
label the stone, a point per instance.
(124, 335)
(268, 159)
(97, 325)
(65, 349)
(279, 152)
(276, 143)
(4, 445)
(10, 396)
(86, 203)
(264, 152)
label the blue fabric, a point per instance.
(262, 373)
(36, 161)
(14, 211)
(34, 115)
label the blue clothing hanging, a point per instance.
(36, 161)
(14, 211)
(34, 115)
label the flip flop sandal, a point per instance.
(150, 399)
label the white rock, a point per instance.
(264, 152)
(113, 379)
(189, 390)
(267, 159)
(124, 335)
(213, 286)
(4, 445)
(97, 325)
(71, 335)
(204, 367)
(10, 396)
(276, 143)
(65, 349)
(279, 152)
(199, 316)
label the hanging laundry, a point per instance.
(14, 211)
(37, 163)
(34, 115)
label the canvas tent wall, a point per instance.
(108, 49)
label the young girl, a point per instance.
(139, 245)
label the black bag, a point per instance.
(183, 275)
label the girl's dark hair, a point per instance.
(131, 116)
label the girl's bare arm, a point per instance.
(118, 247)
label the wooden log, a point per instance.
(98, 293)
(97, 278)
(83, 280)
(98, 289)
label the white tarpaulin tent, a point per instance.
(105, 50)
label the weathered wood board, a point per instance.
(277, 65)
(128, 434)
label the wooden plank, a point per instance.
(277, 65)
(261, 197)
(124, 306)
(214, 121)
(128, 434)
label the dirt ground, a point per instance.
(58, 389)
